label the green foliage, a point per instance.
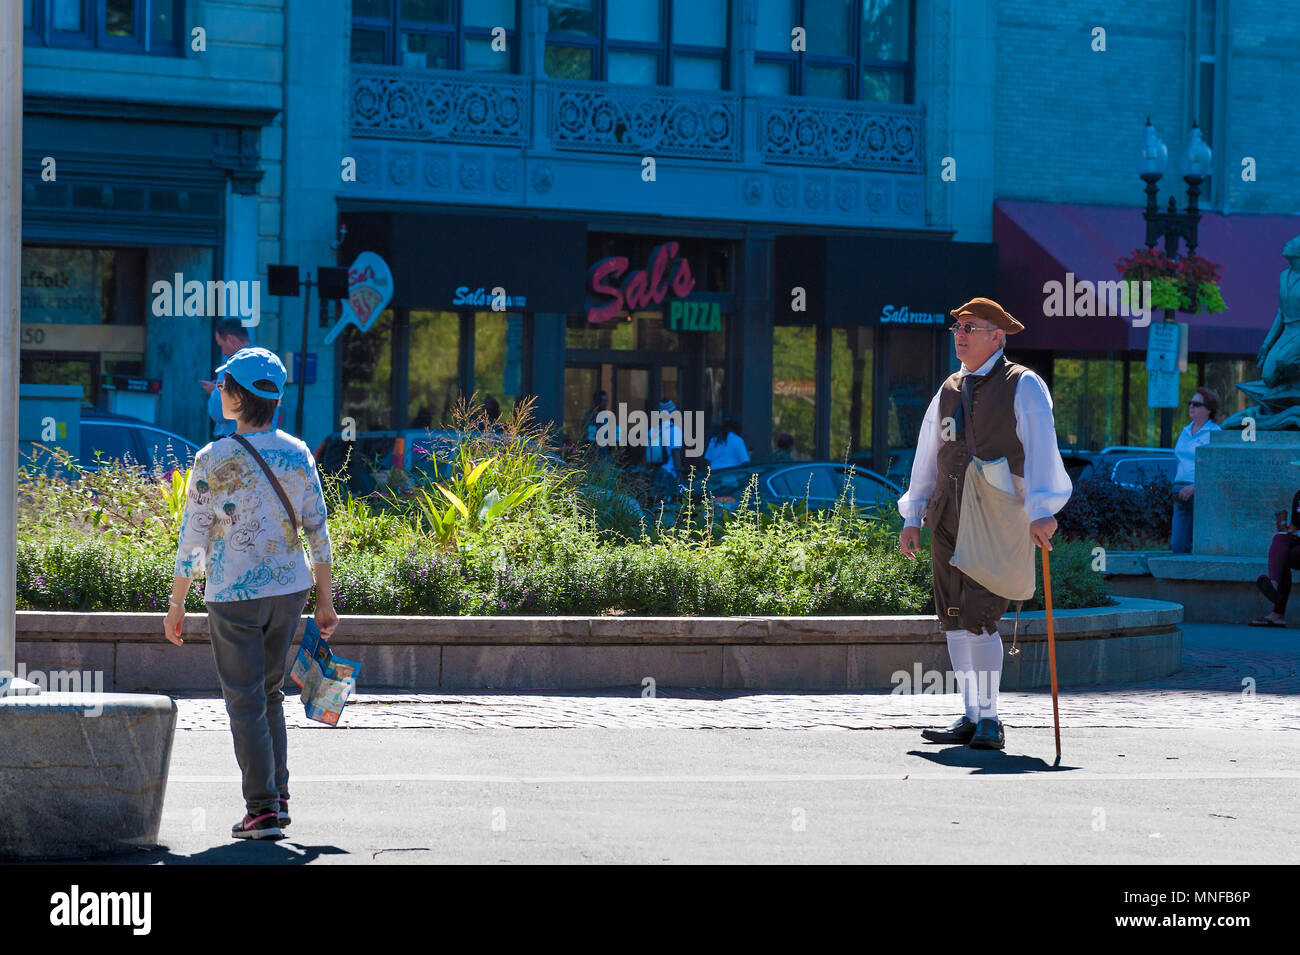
(508, 530)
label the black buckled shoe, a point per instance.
(988, 735)
(959, 732)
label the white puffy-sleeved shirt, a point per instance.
(1046, 485)
(1185, 450)
(235, 529)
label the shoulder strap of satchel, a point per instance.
(967, 385)
(275, 482)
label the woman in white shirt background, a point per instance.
(727, 448)
(1203, 409)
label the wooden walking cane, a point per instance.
(1051, 647)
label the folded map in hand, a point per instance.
(326, 680)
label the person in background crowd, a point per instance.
(665, 450)
(231, 336)
(491, 410)
(727, 448)
(1283, 557)
(248, 494)
(1204, 409)
(784, 448)
(599, 403)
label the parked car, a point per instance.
(821, 482)
(1128, 465)
(427, 455)
(121, 437)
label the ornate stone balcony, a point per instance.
(455, 107)
(445, 106)
(849, 135)
(656, 120)
(505, 140)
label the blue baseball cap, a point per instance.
(256, 364)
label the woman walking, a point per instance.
(248, 494)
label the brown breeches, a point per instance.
(961, 603)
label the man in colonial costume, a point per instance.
(998, 414)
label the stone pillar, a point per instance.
(11, 220)
(1239, 485)
(751, 355)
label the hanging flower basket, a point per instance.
(1189, 285)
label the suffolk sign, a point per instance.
(613, 290)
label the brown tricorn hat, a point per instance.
(990, 311)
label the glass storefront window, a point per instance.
(1222, 374)
(639, 20)
(794, 388)
(425, 50)
(637, 69)
(490, 13)
(491, 345)
(697, 72)
(852, 367)
(427, 11)
(569, 62)
(911, 352)
(572, 16)
(1087, 402)
(1144, 421)
(367, 373)
(700, 22)
(433, 369)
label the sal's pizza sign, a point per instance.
(370, 287)
(613, 290)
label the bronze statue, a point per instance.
(1278, 393)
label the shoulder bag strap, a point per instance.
(275, 482)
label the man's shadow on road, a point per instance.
(989, 761)
(245, 852)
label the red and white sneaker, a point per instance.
(265, 826)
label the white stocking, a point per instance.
(986, 661)
(959, 651)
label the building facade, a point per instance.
(758, 208)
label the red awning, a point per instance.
(1039, 242)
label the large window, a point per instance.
(437, 34)
(853, 49)
(794, 390)
(645, 42)
(123, 26)
(851, 389)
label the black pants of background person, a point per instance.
(1283, 557)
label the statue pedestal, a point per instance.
(1239, 484)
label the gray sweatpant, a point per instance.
(250, 641)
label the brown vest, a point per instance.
(993, 413)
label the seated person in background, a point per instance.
(784, 448)
(727, 448)
(1283, 556)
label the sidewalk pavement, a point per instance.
(1151, 774)
(1234, 678)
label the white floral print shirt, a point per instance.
(235, 529)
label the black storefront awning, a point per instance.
(867, 280)
(455, 261)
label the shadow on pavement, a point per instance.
(244, 852)
(989, 761)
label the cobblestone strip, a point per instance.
(1209, 693)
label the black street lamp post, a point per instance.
(1170, 224)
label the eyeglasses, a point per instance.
(1197, 404)
(968, 328)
